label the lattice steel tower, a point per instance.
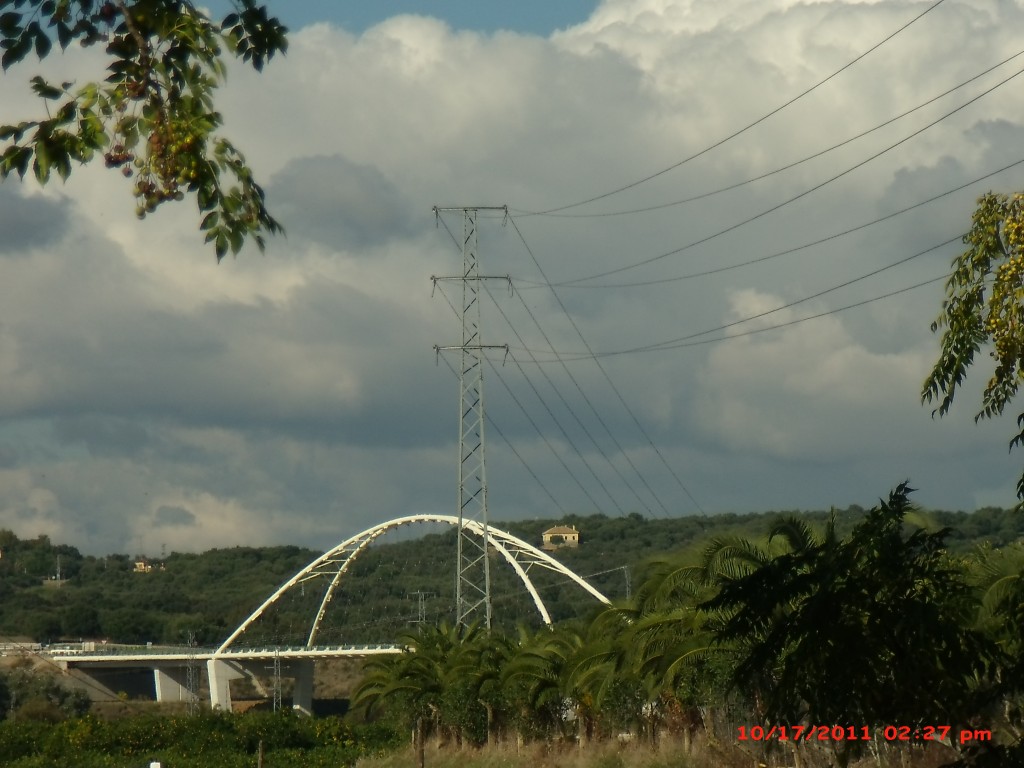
(473, 573)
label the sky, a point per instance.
(728, 226)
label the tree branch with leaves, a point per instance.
(153, 117)
(984, 307)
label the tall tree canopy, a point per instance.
(153, 118)
(984, 305)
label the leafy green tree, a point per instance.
(559, 672)
(28, 693)
(666, 643)
(44, 626)
(481, 667)
(80, 619)
(999, 575)
(421, 681)
(153, 117)
(984, 305)
(873, 629)
(132, 625)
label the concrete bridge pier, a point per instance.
(170, 684)
(302, 692)
(220, 674)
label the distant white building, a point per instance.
(560, 536)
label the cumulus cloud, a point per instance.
(27, 224)
(811, 391)
(340, 204)
(153, 397)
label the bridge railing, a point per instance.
(262, 651)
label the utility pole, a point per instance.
(278, 697)
(421, 606)
(192, 677)
(473, 574)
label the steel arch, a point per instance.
(336, 562)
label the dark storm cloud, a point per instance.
(327, 364)
(338, 203)
(167, 516)
(296, 396)
(1000, 138)
(101, 435)
(27, 223)
(8, 457)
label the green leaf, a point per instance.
(120, 66)
(65, 114)
(236, 237)
(44, 89)
(10, 23)
(41, 166)
(64, 35)
(221, 245)
(63, 165)
(43, 44)
(14, 131)
(15, 159)
(16, 52)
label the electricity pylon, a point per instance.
(473, 573)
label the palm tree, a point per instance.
(999, 576)
(664, 645)
(554, 672)
(482, 665)
(418, 681)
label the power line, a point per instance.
(508, 442)
(786, 202)
(533, 423)
(814, 317)
(743, 130)
(568, 438)
(593, 410)
(794, 164)
(532, 284)
(675, 343)
(688, 340)
(622, 451)
(607, 378)
(813, 296)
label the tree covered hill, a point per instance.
(52, 592)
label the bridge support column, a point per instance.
(170, 685)
(302, 693)
(220, 674)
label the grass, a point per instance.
(668, 754)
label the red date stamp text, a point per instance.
(941, 733)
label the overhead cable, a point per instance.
(497, 428)
(794, 164)
(568, 439)
(615, 389)
(786, 202)
(524, 284)
(572, 411)
(680, 341)
(746, 128)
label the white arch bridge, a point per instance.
(172, 668)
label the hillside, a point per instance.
(389, 587)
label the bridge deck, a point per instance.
(115, 656)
